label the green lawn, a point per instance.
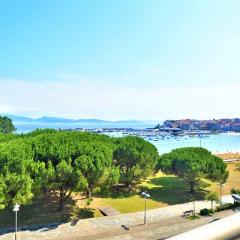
(164, 190)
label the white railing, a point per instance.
(224, 229)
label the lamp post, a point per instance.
(16, 209)
(145, 195)
(194, 208)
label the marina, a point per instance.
(216, 143)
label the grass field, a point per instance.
(164, 190)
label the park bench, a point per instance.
(187, 213)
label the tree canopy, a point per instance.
(6, 125)
(136, 158)
(50, 160)
(83, 159)
(19, 173)
(192, 164)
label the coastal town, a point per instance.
(221, 125)
(175, 129)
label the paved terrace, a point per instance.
(162, 223)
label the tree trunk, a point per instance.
(63, 197)
(61, 203)
(45, 191)
(127, 183)
(212, 205)
(192, 187)
(89, 193)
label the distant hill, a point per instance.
(18, 118)
(67, 120)
(46, 119)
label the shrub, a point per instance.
(88, 201)
(193, 217)
(204, 212)
(236, 204)
(235, 191)
(225, 207)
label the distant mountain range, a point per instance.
(46, 119)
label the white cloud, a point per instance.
(84, 98)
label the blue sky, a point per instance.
(121, 59)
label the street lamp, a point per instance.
(145, 195)
(16, 209)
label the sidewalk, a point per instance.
(86, 228)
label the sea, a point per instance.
(218, 143)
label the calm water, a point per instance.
(27, 127)
(215, 143)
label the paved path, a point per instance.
(114, 226)
(227, 199)
(163, 230)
